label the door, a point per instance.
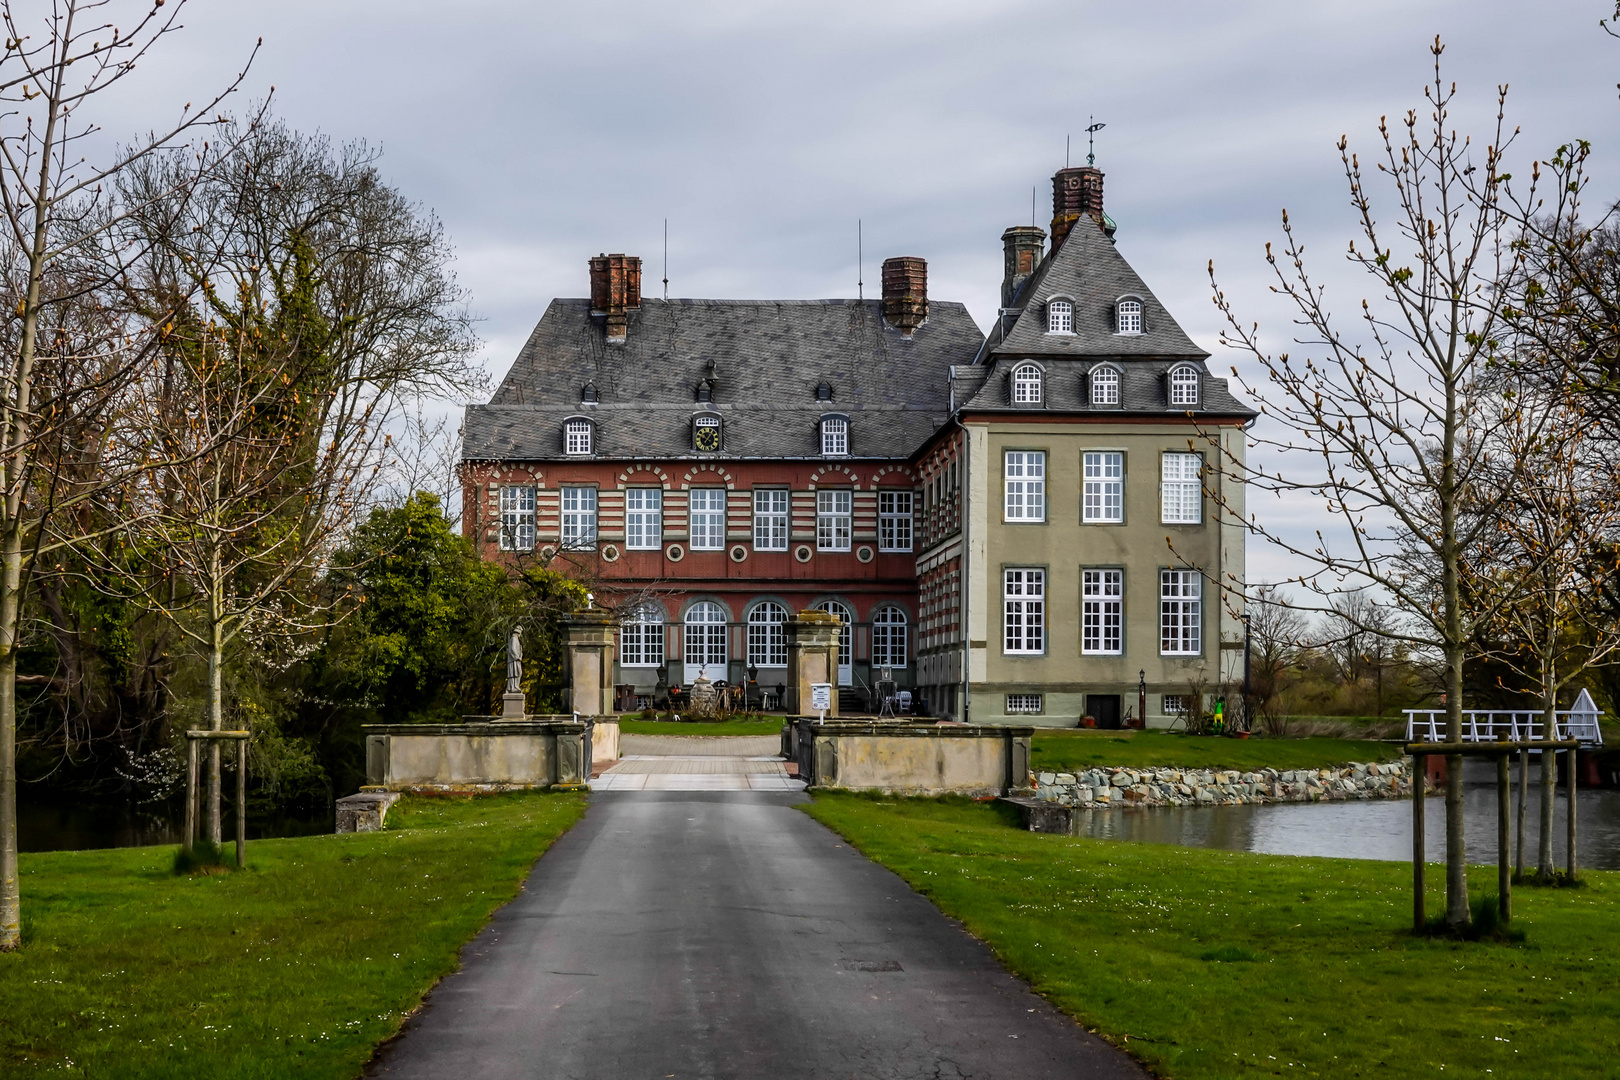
(1105, 707)
(706, 641)
(846, 667)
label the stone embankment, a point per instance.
(1107, 787)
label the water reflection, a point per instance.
(85, 825)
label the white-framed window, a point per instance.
(832, 520)
(894, 521)
(1104, 386)
(641, 637)
(578, 517)
(705, 638)
(517, 518)
(706, 522)
(1128, 316)
(1023, 703)
(1173, 704)
(1184, 386)
(1023, 593)
(1102, 601)
(846, 634)
(577, 437)
(770, 519)
(1181, 612)
(835, 436)
(1025, 472)
(706, 433)
(767, 641)
(1181, 490)
(1026, 382)
(1103, 492)
(889, 638)
(1059, 317)
(643, 518)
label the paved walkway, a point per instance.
(725, 935)
(667, 772)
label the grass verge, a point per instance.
(683, 727)
(297, 966)
(1072, 750)
(1212, 964)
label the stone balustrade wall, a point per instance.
(1106, 787)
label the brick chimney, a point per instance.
(905, 292)
(615, 289)
(1022, 245)
(1075, 192)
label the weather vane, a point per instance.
(1091, 135)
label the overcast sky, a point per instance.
(543, 133)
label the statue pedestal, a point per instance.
(513, 707)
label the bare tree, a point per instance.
(1385, 416)
(1276, 634)
(60, 396)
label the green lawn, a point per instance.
(1071, 750)
(297, 966)
(724, 727)
(1211, 964)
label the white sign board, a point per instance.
(820, 696)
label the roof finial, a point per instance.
(1091, 133)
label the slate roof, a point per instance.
(767, 358)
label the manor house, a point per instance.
(1028, 526)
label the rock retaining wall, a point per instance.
(1102, 787)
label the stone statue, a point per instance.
(514, 664)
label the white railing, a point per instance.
(1510, 725)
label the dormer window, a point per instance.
(1104, 386)
(1059, 317)
(823, 392)
(706, 434)
(705, 391)
(1184, 386)
(589, 395)
(1026, 385)
(834, 436)
(1128, 317)
(577, 437)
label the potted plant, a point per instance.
(1088, 721)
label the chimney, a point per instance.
(1023, 245)
(905, 292)
(1075, 192)
(615, 289)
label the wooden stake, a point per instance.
(1504, 879)
(1569, 782)
(1524, 795)
(241, 803)
(1419, 780)
(191, 793)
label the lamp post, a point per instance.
(1141, 699)
(1247, 684)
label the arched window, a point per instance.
(590, 394)
(1104, 386)
(845, 636)
(1059, 317)
(577, 437)
(706, 433)
(705, 641)
(1128, 317)
(1184, 386)
(889, 638)
(767, 642)
(1026, 382)
(641, 637)
(834, 436)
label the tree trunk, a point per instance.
(1545, 869)
(10, 895)
(216, 711)
(1456, 851)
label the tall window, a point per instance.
(1184, 386)
(832, 520)
(835, 436)
(1026, 485)
(889, 638)
(1027, 385)
(1129, 316)
(643, 518)
(767, 642)
(846, 635)
(1059, 317)
(894, 521)
(706, 640)
(577, 437)
(770, 519)
(1024, 625)
(578, 517)
(1101, 610)
(1181, 494)
(1103, 497)
(641, 638)
(517, 518)
(707, 523)
(1181, 612)
(1104, 386)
